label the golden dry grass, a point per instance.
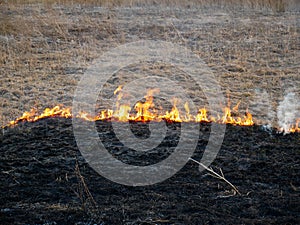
(276, 5)
(45, 48)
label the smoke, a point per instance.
(288, 111)
(261, 107)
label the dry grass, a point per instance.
(276, 5)
(45, 48)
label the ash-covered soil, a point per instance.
(45, 180)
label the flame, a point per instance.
(293, 127)
(147, 111)
(118, 90)
(32, 115)
(143, 109)
(236, 108)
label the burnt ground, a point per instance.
(45, 180)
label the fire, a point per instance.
(143, 109)
(146, 110)
(293, 127)
(174, 114)
(32, 116)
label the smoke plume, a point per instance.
(288, 111)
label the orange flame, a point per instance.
(33, 116)
(294, 127)
(146, 111)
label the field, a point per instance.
(45, 50)
(251, 47)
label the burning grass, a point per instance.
(143, 114)
(147, 111)
(253, 50)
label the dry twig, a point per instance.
(216, 175)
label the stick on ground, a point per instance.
(216, 175)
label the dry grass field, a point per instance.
(252, 47)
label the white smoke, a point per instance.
(288, 111)
(261, 107)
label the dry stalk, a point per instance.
(216, 175)
(83, 189)
(89, 204)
